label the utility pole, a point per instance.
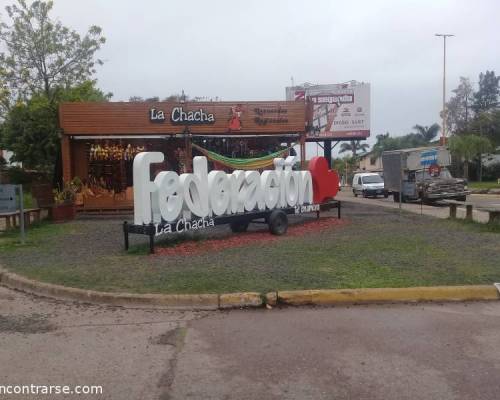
(443, 127)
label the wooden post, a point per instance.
(125, 234)
(189, 150)
(66, 158)
(468, 212)
(453, 211)
(494, 216)
(303, 151)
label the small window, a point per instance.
(359, 180)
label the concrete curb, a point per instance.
(486, 191)
(251, 299)
(131, 300)
(388, 295)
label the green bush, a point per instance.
(20, 176)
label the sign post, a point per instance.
(21, 214)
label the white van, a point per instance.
(368, 184)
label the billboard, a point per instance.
(336, 111)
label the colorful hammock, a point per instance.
(242, 163)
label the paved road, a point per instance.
(437, 211)
(130, 353)
(449, 351)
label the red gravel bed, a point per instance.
(248, 238)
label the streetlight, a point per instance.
(443, 130)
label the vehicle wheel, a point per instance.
(239, 226)
(395, 196)
(354, 193)
(278, 222)
(462, 198)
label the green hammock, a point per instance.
(242, 163)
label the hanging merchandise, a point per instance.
(115, 152)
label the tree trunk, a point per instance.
(466, 169)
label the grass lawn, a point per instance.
(376, 248)
(484, 185)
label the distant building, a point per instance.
(7, 155)
(370, 163)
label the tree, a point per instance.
(427, 133)
(31, 129)
(345, 167)
(177, 98)
(458, 108)
(386, 143)
(42, 54)
(353, 146)
(486, 98)
(467, 147)
(487, 124)
(135, 99)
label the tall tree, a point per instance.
(487, 124)
(30, 128)
(458, 108)
(427, 133)
(486, 98)
(386, 142)
(42, 54)
(467, 147)
(353, 146)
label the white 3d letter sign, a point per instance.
(170, 196)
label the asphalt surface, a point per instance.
(426, 351)
(440, 211)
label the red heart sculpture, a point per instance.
(325, 181)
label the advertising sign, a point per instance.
(208, 118)
(428, 157)
(170, 197)
(8, 198)
(337, 111)
(191, 201)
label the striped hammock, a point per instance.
(242, 163)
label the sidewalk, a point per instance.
(433, 211)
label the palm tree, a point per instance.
(427, 133)
(467, 147)
(353, 146)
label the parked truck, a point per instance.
(421, 174)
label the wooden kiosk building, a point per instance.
(99, 140)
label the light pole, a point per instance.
(443, 127)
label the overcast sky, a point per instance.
(249, 50)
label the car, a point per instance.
(368, 184)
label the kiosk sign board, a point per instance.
(170, 197)
(172, 203)
(336, 111)
(8, 198)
